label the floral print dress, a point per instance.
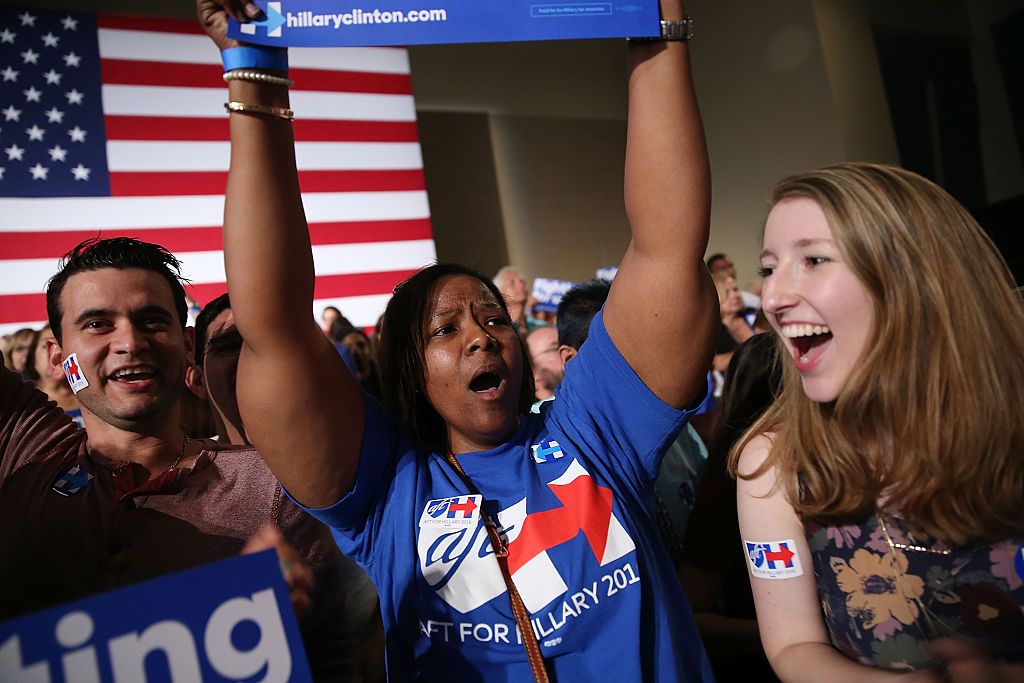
(882, 605)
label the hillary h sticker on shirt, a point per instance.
(773, 559)
(451, 513)
(73, 480)
(74, 373)
(458, 562)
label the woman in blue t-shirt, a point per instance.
(486, 530)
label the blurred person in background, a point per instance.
(721, 265)
(212, 378)
(358, 353)
(17, 352)
(682, 466)
(327, 318)
(547, 365)
(51, 381)
(735, 328)
(713, 566)
(513, 288)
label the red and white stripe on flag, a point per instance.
(359, 160)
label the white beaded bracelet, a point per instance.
(257, 77)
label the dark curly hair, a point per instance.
(121, 253)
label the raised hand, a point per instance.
(213, 17)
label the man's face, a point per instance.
(220, 365)
(547, 363)
(513, 287)
(724, 266)
(543, 345)
(130, 344)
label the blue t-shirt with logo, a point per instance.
(569, 491)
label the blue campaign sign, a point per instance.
(226, 621)
(549, 293)
(332, 23)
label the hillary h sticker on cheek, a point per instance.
(73, 371)
(773, 559)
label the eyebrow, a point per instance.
(801, 244)
(106, 312)
(450, 311)
(92, 313)
(442, 314)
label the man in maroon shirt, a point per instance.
(131, 497)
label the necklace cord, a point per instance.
(933, 621)
(519, 612)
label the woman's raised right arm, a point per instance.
(301, 408)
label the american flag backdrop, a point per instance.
(114, 126)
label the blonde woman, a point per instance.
(16, 354)
(880, 497)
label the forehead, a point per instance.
(457, 292)
(541, 337)
(115, 289)
(221, 322)
(793, 220)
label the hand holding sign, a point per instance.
(297, 573)
(213, 16)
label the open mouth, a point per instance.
(808, 342)
(133, 376)
(487, 385)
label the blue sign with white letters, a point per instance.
(226, 621)
(332, 23)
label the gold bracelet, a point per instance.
(243, 108)
(256, 77)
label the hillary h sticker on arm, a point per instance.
(773, 559)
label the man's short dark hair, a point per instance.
(714, 258)
(577, 308)
(120, 253)
(203, 320)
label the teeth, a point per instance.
(126, 372)
(804, 358)
(804, 330)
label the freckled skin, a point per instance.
(466, 330)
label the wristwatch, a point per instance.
(671, 29)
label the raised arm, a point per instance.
(300, 406)
(662, 312)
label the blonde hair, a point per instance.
(24, 335)
(928, 424)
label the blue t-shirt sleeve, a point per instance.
(604, 403)
(357, 516)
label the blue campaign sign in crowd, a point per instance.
(320, 23)
(226, 621)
